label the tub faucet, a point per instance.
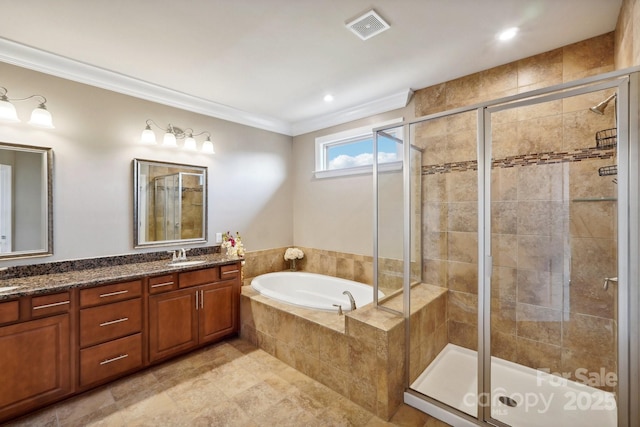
(351, 300)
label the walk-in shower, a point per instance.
(520, 209)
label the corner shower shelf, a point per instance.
(607, 138)
(608, 170)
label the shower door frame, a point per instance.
(621, 84)
(627, 84)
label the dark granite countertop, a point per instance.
(60, 281)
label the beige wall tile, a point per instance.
(588, 57)
(538, 355)
(597, 335)
(541, 288)
(463, 277)
(544, 69)
(539, 324)
(430, 100)
(463, 91)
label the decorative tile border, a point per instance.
(524, 160)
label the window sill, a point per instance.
(360, 170)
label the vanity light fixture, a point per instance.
(40, 116)
(172, 134)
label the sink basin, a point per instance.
(185, 263)
(7, 288)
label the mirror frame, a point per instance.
(47, 249)
(137, 164)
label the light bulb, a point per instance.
(207, 147)
(148, 136)
(190, 143)
(169, 140)
(41, 117)
(7, 110)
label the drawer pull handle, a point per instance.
(122, 356)
(55, 304)
(110, 294)
(162, 284)
(124, 319)
(230, 272)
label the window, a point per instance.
(351, 152)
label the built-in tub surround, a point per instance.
(359, 355)
(331, 263)
(347, 266)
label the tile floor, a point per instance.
(227, 384)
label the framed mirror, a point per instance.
(26, 203)
(170, 203)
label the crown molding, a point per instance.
(56, 65)
(46, 62)
(382, 105)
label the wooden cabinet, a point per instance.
(203, 309)
(63, 343)
(34, 353)
(110, 331)
(173, 323)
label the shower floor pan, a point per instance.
(540, 399)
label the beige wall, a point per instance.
(627, 51)
(94, 143)
(334, 213)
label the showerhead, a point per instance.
(599, 109)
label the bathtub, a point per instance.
(314, 291)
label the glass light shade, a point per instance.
(169, 140)
(207, 147)
(190, 143)
(8, 111)
(148, 136)
(41, 117)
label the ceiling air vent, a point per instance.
(368, 25)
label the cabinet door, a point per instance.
(217, 313)
(34, 359)
(173, 323)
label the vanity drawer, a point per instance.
(164, 283)
(47, 305)
(228, 272)
(110, 359)
(198, 277)
(9, 311)
(106, 322)
(110, 293)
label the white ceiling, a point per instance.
(269, 63)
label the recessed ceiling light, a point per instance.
(508, 34)
(328, 98)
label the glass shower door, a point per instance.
(553, 276)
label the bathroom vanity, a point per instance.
(64, 333)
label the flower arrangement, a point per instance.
(293, 253)
(232, 244)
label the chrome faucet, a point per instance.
(178, 255)
(351, 299)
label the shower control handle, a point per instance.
(607, 280)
